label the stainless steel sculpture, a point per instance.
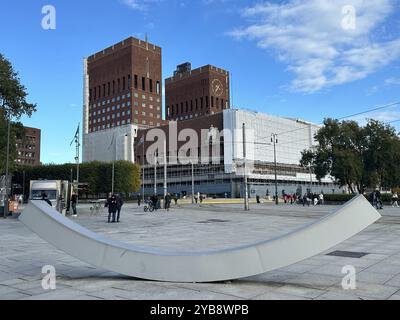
(209, 266)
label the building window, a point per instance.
(151, 85)
(143, 83)
(113, 87)
(187, 107)
(207, 102)
(182, 107)
(119, 85)
(104, 90)
(129, 82)
(135, 81)
(108, 89)
(158, 87)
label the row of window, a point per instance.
(196, 105)
(26, 154)
(118, 107)
(121, 123)
(122, 84)
(119, 115)
(119, 98)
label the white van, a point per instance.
(57, 191)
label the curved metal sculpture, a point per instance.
(209, 266)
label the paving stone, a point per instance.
(378, 273)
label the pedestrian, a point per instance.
(74, 200)
(44, 198)
(176, 200)
(395, 200)
(167, 201)
(112, 204)
(139, 201)
(321, 199)
(316, 199)
(154, 201)
(258, 199)
(120, 203)
(379, 204)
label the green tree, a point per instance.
(357, 157)
(97, 175)
(13, 105)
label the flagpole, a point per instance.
(77, 165)
(77, 159)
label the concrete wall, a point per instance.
(103, 145)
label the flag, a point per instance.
(112, 142)
(141, 141)
(76, 137)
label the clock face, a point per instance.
(217, 87)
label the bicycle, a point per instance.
(149, 207)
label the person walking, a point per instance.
(74, 199)
(45, 199)
(379, 204)
(120, 203)
(154, 201)
(167, 202)
(321, 199)
(395, 200)
(112, 204)
(139, 200)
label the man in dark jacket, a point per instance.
(167, 202)
(112, 204)
(74, 199)
(120, 203)
(45, 199)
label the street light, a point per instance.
(274, 140)
(7, 169)
(246, 192)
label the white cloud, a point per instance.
(392, 82)
(141, 5)
(308, 36)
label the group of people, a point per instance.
(154, 201)
(114, 204)
(313, 199)
(376, 199)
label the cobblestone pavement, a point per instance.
(193, 228)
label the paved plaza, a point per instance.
(192, 228)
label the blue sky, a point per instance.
(295, 58)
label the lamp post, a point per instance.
(7, 169)
(155, 173)
(246, 191)
(143, 170)
(274, 140)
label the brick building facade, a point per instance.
(125, 86)
(195, 93)
(28, 150)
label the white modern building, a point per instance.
(225, 177)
